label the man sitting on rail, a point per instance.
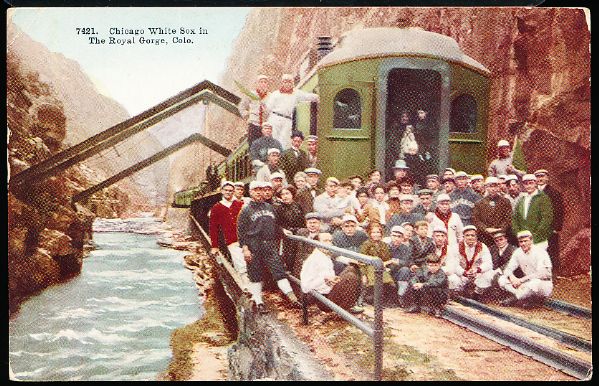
(318, 274)
(259, 239)
(536, 285)
(429, 289)
(471, 270)
(223, 219)
(352, 238)
(259, 148)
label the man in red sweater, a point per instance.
(223, 218)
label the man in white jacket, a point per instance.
(318, 274)
(471, 271)
(444, 217)
(536, 285)
(281, 104)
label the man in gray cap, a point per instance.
(503, 163)
(259, 237)
(312, 146)
(259, 148)
(463, 198)
(491, 214)
(426, 204)
(272, 166)
(311, 231)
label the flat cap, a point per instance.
(498, 234)
(461, 174)
(400, 164)
(333, 180)
(470, 228)
(349, 217)
(398, 229)
(432, 177)
(406, 197)
(312, 138)
(476, 177)
(502, 143)
(262, 76)
(267, 124)
(225, 183)
(541, 172)
(310, 215)
(511, 177)
(312, 170)
(239, 183)
(423, 192)
(524, 233)
(491, 180)
(529, 177)
(440, 228)
(449, 170)
(266, 184)
(255, 185)
(276, 175)
(443, 197)
(273, 150)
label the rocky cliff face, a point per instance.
(539, 60)
(86, 113)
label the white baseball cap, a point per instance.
(443, 197)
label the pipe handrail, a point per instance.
(377, 330)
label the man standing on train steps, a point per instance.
(557, 203)
(253, 110)
(294, 159)
(259, 238)
(281, 104)
(312, 150)
(223, 220)
(536, 284)
(259, 149)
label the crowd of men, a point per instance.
(460, 234)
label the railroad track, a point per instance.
(569, 309)
(562, 361)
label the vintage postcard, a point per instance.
(339, 193)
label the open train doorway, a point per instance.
(413, 104)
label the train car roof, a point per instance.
(377, 42)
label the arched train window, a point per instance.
(464, 113)
(347, 110)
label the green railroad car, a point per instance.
(370, 76)
(365, 80)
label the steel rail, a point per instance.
(570, 365)
(568, 308)
(567, 339)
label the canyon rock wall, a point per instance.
(540, 64)
(86, 113)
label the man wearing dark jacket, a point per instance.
(294, 159)
(259, 236)
(558, 215)
(493, 213)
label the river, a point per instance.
(112, 322)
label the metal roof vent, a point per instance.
(324, 46)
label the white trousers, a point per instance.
(538, 287)
(481, 281)
(281, 130)
(238, 259)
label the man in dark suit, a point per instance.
(305, 197)
(311, 231)
(557, 202)
(294, 159)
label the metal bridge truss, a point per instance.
(205, 92)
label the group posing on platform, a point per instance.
(459, 234)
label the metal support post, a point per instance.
(378, 321)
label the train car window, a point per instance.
(464, 112)
(347, 110)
